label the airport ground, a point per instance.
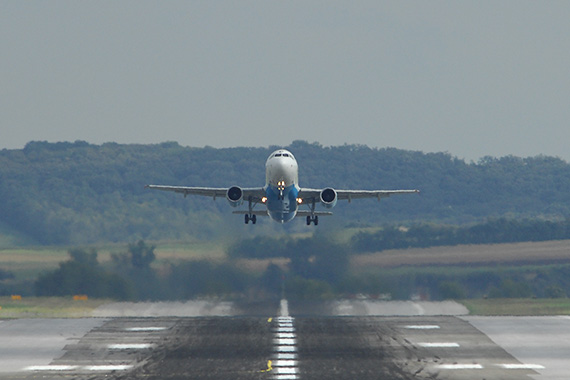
(347, 339)
(353, 339)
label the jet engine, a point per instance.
(234, 195)
(328, 197)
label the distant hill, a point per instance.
(78, 193)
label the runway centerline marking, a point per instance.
(285, 346)
(281, 335)
(285, 356)
(285, 363)
(285, 342)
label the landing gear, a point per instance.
(251, 217)
(314, 219)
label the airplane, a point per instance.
(281, 194)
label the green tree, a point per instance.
(82, 274)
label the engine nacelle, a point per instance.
(234, 195)
(328, 197)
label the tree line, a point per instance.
(318, 268)
(78, 193)
(492, 231)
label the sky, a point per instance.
(471, 78)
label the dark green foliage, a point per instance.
(128, 279)
(318, 257)
(82, 274)
(78, 193)
(317, 264)
(142, 255)
(493, 231)
(451, 290)
(554, 291)
(299, 288)
(272, 280)
(204, 278)
(134, 266)
(5, 274)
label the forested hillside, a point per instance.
(77, 193)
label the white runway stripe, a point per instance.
(422, 327)
(439, 345)
(460, 366)
(522, 366)
(285, 356)
(282, 335)
(121, 367)
(285, 370)
(285, 363)
(285, 342)
(146, 329)
(50, 368)
(285, 348)
(133, 346)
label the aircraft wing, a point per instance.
(256, 193)
(307, 194)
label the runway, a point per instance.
(347, 340)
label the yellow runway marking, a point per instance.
(269, 367)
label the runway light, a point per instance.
(299, 200)
(264, 199)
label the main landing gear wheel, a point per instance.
(315, 220)
(253, 218)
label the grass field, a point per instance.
(47, 307)
(516, 306)
(27, 263)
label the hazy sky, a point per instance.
(469, 78)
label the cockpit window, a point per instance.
(285, 155)
(278, 155)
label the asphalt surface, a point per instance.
(287, 343)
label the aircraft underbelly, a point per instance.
(282, 205)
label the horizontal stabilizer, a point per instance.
(245, 212)
(318, 213)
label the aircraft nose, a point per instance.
(280, 167)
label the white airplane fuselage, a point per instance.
(281, 186)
